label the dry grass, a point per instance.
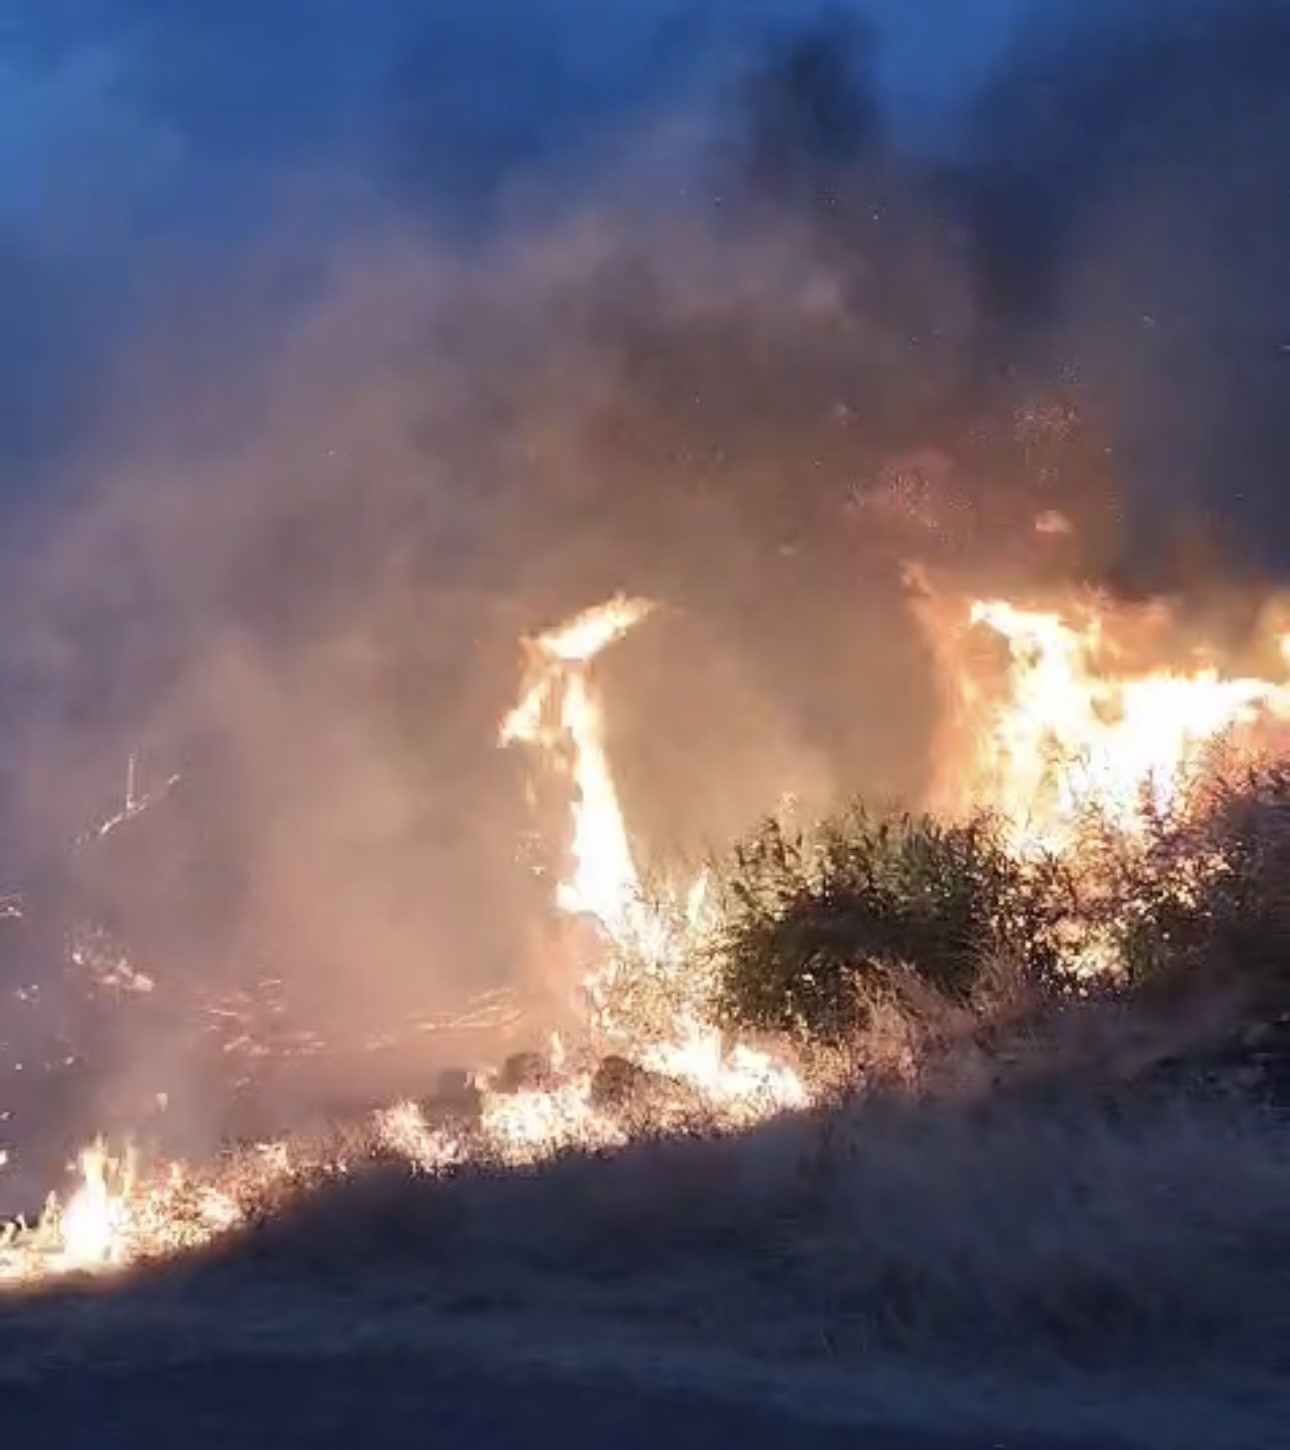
(988, 1229)
(1032, 1232)
(1004, 1179)
(1007, 1177)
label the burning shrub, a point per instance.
(1247, 903)
(926, 944)
(1200, 916)
(1199, 896)
(815, 923)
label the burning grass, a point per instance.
(952, 1088)
(994, 1228)
(1002, 1166)
(1023, 1229)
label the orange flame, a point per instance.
(1074, 732)
(605, 882)
(113, 1219)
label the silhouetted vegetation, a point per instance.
(814, 920)
(820, 928)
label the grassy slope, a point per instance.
(1014, 1262)
(1011, 1217)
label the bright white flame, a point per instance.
(1077, 732)
(95, 1223)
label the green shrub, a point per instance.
(1140, 900)
(817, 927)
(1237, 923)
(812, 924)
(1200, 896)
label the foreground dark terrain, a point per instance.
(386, 1402)
(1025, 1216)
(145, 1368)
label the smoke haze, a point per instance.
(340, 352)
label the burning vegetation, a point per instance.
(1102, 846)
(890, 888)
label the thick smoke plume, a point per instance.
(336, 359)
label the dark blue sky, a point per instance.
(155, 155)
(144, 138)
(116, 114)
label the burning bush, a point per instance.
(1247, 906)
(825, 935)
(1198, 898)
(814, 922)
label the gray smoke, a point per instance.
(342, 349)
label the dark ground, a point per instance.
(386, 1401)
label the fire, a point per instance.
(95, 1224)
(1063, 724)
(403, 1131)
(115, 1218)
(1077, 731)
(526, 1127)
(560, 706)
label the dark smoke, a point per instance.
(1142, 248)
(350, 354)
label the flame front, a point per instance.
(95, 1223)
(1076, 732)
(559, 706)
(1066, 725)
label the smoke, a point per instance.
(341, 357)
(1148, 259)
